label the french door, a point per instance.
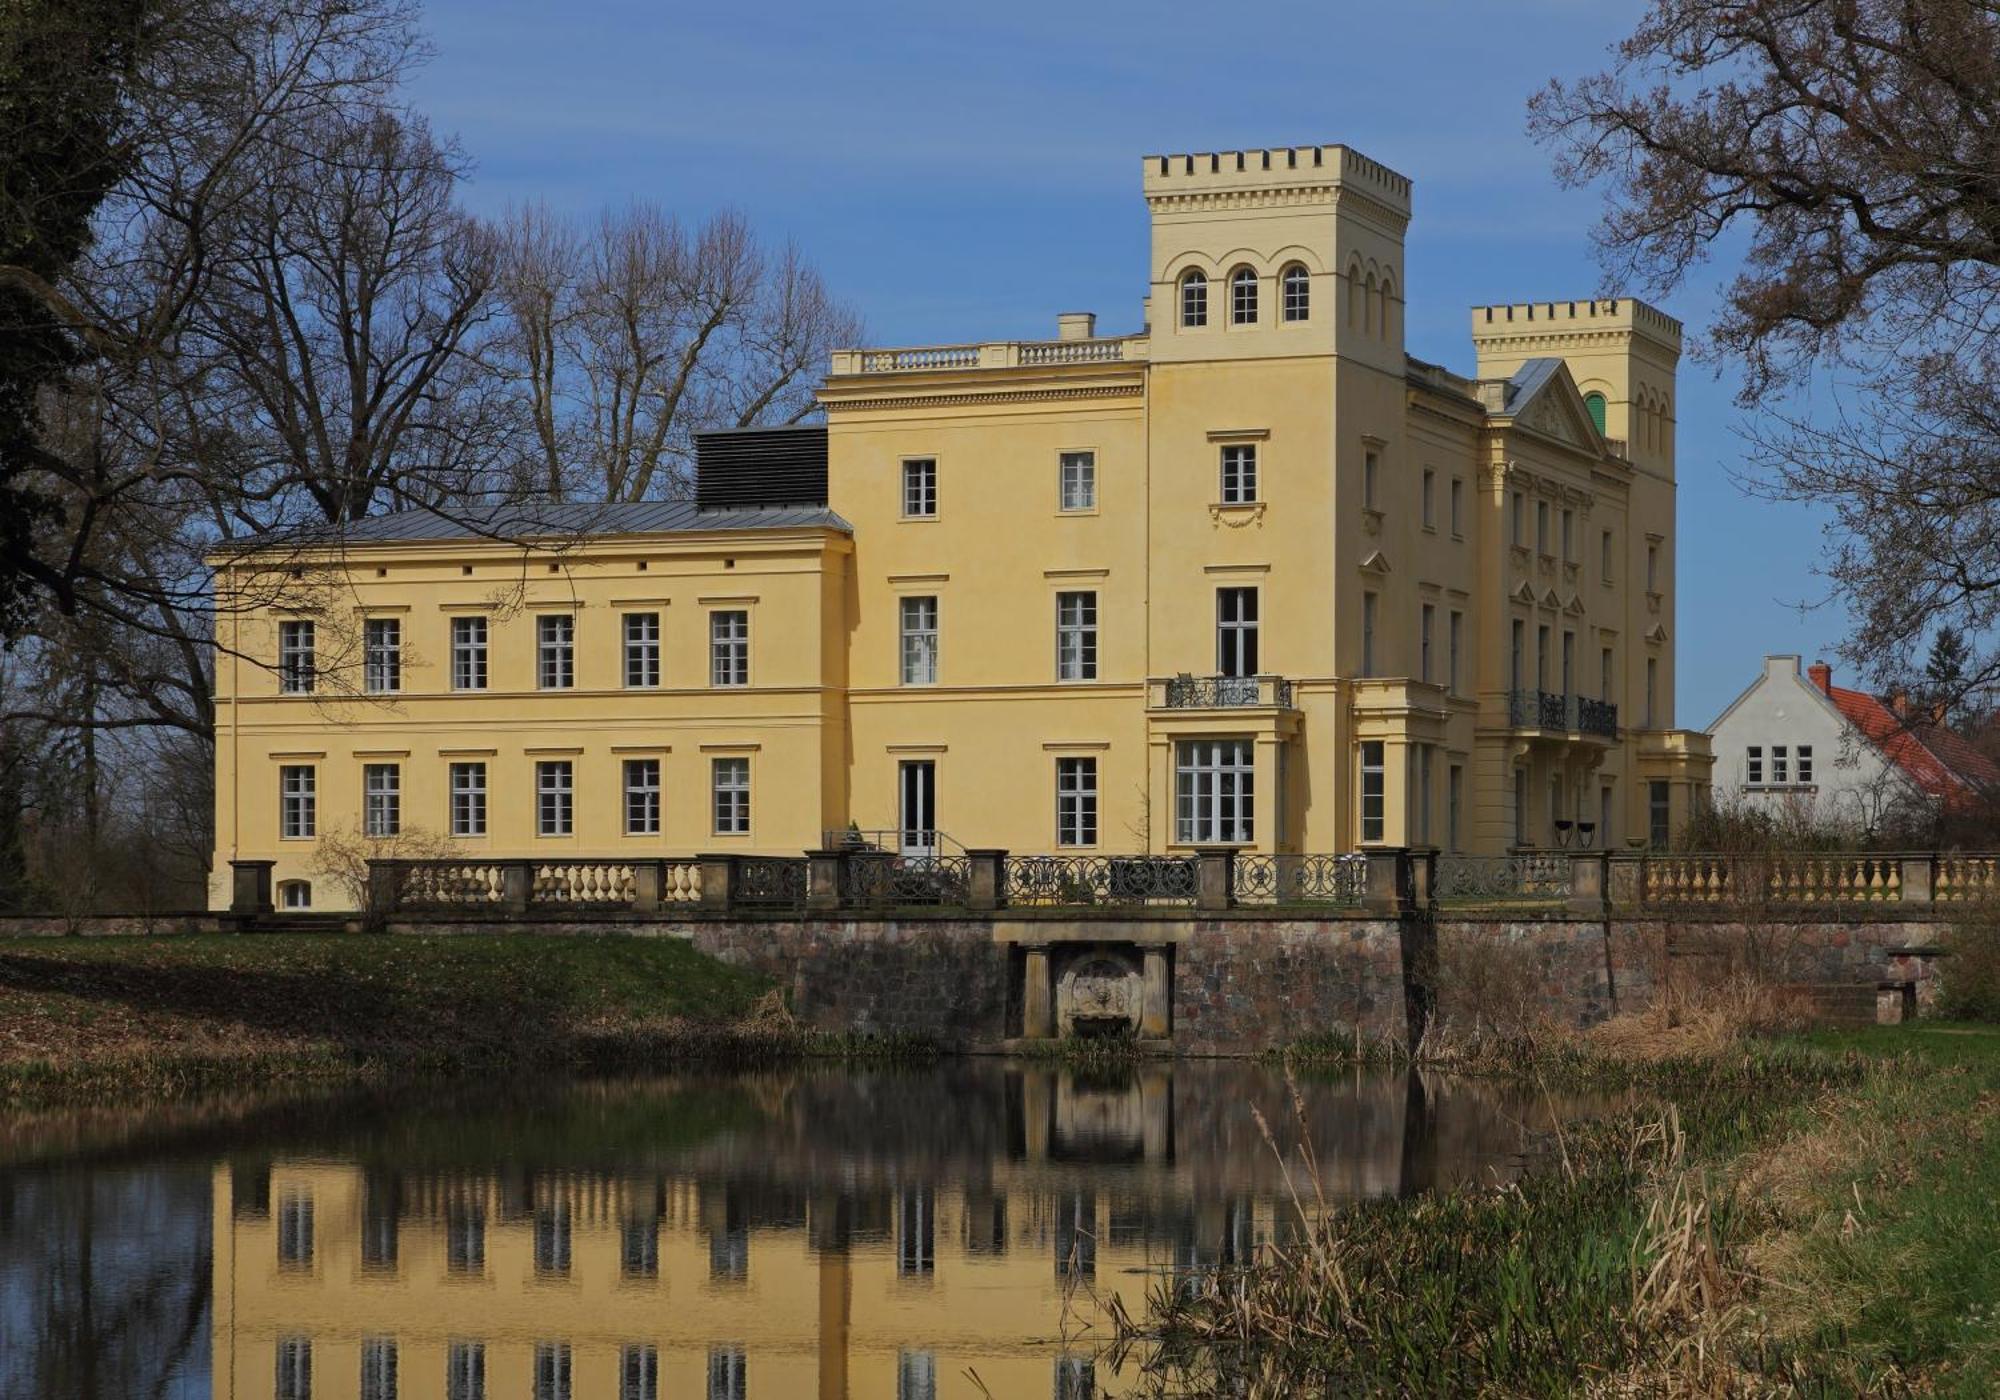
(917, 807)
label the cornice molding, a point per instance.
(993, 396)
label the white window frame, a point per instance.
(555, 797)
(382, 655)
(917, 615)
(920, 488)
(1296, 293)
(467, 798)
(638, 1371)
(293, 1380)
(729, 794)
(642, 650)
(298, 801)
(1238, 473)
(1076, 482)
(1238, 635)
(295, 894)
(1215, 790)
(554, 1371)
(1373, 791)
(641, 787)
(1243, 297)
(465, 1371)
(729, 647)
(1076, 801)
(378, 1368)
(468, 653)
(381, 799)
(1076, 635)
(1802, 757)
(1194, 299)
(298, 667)
(1781, 766)
(555, 651)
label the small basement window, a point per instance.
(295, 894)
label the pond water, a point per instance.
(908, 1233)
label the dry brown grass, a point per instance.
(1699, 1019)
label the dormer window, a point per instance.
(1243, 297)
(1194, 299)
(1297, 287)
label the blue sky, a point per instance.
(965, 171)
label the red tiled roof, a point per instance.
(1940, 762)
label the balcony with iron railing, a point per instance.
(1190, 692)
(1553, 712)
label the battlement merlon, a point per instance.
(1546, 326)
(1274, 172)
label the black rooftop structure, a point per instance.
(739, 467)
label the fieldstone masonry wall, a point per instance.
(1242, 985)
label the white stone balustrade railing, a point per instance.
(991, 354)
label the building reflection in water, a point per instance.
(853, 1237)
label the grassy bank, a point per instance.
(134, 1017)
(1795, 1215)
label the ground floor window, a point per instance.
(295, 894)
(298, 811)
(1076, 802)
(1374, 790)
(732, 796)
(1521, 808)
(381, 799)
(555, 798)
(1659, 816)
(1454, 796)
(1214, 792)
(468, 799)
(642, 797)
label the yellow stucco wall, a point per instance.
(828, 720)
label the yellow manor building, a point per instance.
(1253, 576)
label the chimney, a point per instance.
(1822, 676)
(1076, 325)
(1900, 703)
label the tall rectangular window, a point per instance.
(378, 1369)
(1521, 837)
(1659, 815)
(1458, 507)
(555, 797)
(638, 1373)
(1805, 764)
(1076, 636)
(1374, 790)
(555, 651)
(1780, 764)
(1568, 536)
(731, 785)
(729, 647)
(1605, 808)
(728, 1367)
(920, 640)
(1652, 568)
(1236, 631)
(1214, 792)
(920, 488)
(1652, 689)
(298, 798)
(642, 650)
(382, 655)
(1430, 499)
(1607, 675)
(1077, 481)
(468, 653)
(1239, 473)
(465, 1371)
(1370, 605)
(468, 799)
(1515, 661)
(1569, 662)
(295, 1230)
(1425, 620)
(1542, 657)
(1753, 764)
(1371, 469)
(1605, 568)
(553, 1232)
(1454, 637)
(297, 666)
(1541, 527)
(1076, 802)
(1517, 505)
(552, 1371)
(1454, 798)
(295, 1369)
(642, 797)
(381, 799)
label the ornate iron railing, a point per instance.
(902, 880)
(770, 882)
(601, 883)
(1537, 709)
(1059, 880)
(1288, 879)
(440, 884)
(1227, 692)
(1598, 717)
(1527, 877)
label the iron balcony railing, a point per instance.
(1186, 692)
(1570, 714)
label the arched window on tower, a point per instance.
(1194, 299)
(1243, 297)
(1383, 328)
(1371, 307)
(1296, 286)
(1594, 402)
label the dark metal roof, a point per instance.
(557, 520)
(761, 466)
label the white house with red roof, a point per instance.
(1796, 738)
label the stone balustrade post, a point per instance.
(1215, 878)
(1156, 994)
(517, 885)
(648, 880)
(1385, 882)
(718, 882)
(1422, 883)
(385, 886)
(824, 872)
(1919, 879)
(986, 881)
(1624, 883)
(250, 886)
(1589, 882)
(1038, 1010)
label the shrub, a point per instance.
(1970, 976)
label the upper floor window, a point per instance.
(1077, 473)
(1297, 285)
(920, 488)
(1239, 473)
(1541, 527)
(1779, 765)
(1455, 628)
(1516, 505)
(468, 653)
(729, 647)
(1236, 631)
(642, 797)
(1194, 299)
(1214, 791)
(1370, 605)
(1805, 766)
(1605, 550)
(730, 788)
(1594, 403)
(298, 808)
(1569, 536)
(1076, 636)
(1652, 568)
(1371, 470)
(642, 650)
(1243, 297)
(468, 799)
(555, 798)
(1424, 629)
(555, 651)
(296, 665)
(1374, 790)
(1076, 802)
(1430, 499)
(1458, 507)
(382, 654)
(920, 640)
